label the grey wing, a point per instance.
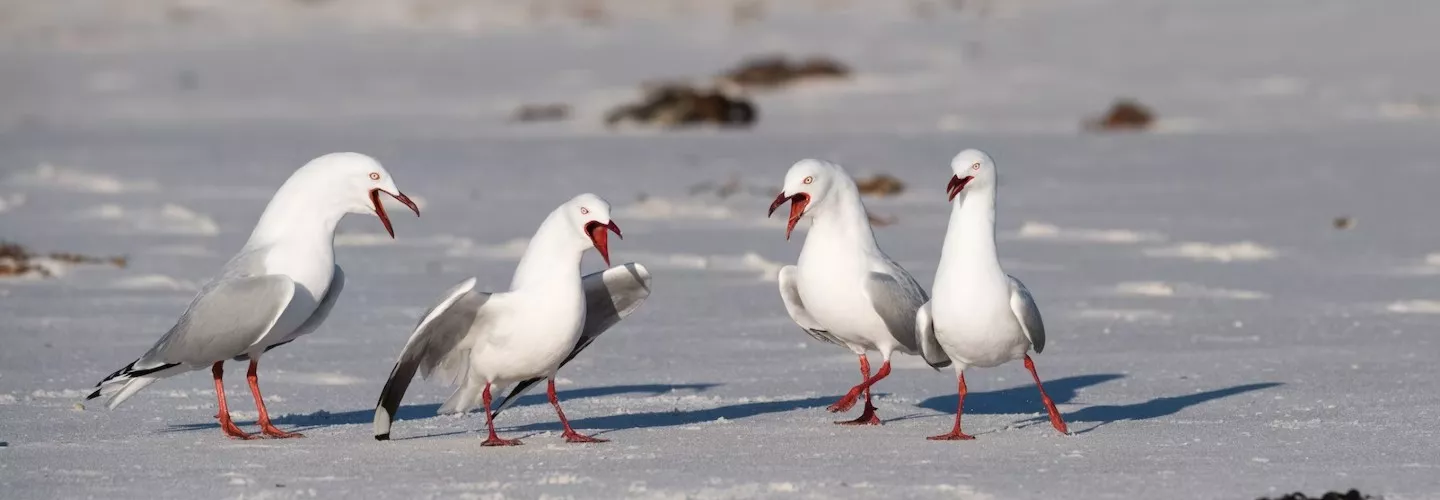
(440, 338)
(225, 319)
(790, 293)
(1028, 313)
(610, 296)
(925, 334)
(332, 294)
(896, 297)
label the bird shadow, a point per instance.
(1026, 399)
(678, 417)
(1020, 399)
(324, 418)
(1158, 407)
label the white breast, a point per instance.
(832, 286)
(530, 336)
(311, 267)
(976, 325)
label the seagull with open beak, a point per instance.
(280, 286)
(844, 290)
(485, 341)
(979, 316)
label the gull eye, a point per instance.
(976, 166)
(584, 211)
(808, 179)
(374, 176)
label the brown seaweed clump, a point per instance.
(879, 185)
(770, 72)
(676, 105)
(1124, 115)
(17, 261)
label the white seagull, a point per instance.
(979, 315)
(550, 314)
(280, 286)
(844, 290)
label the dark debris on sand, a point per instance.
(1331, 495)
(677, 105)
(879, 185)
(769, 72)
(16, 260)
(1124, 115)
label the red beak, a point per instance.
(797, 209)
(380, 208)
(600, 238)
(956, 184)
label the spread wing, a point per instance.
(610, 296)
(790, 293)
(896, 297)
(1028, 313)
(441, 340)
(925, 334)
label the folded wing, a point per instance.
(789, 279)
(224, 320)
(897, 299)
(1027, 313)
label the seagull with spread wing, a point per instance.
(485, 341)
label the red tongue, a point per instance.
(601, 239)
(797, 209)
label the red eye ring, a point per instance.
(976, 166)
(374, 176)
(808, 179)
(584, 211)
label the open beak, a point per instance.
(956, 184)
(600, 238)
(380, 208)
(797, 209)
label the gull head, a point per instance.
(806, 186)
(972, 169)
(590, 214)
(352, 182)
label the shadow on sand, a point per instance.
(413, 412)
(1026, 399)
(1021, 399)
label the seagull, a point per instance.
(979, 315)
(844, 290)
(281, 285)
(550, 314)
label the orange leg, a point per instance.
(1055, 420)
(494, 440)
(226, 425)
(868, 417)
(265, 425)
(570, 435)
(848, 402)
(955, 434)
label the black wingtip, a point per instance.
(382, 437)
(93, 395)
